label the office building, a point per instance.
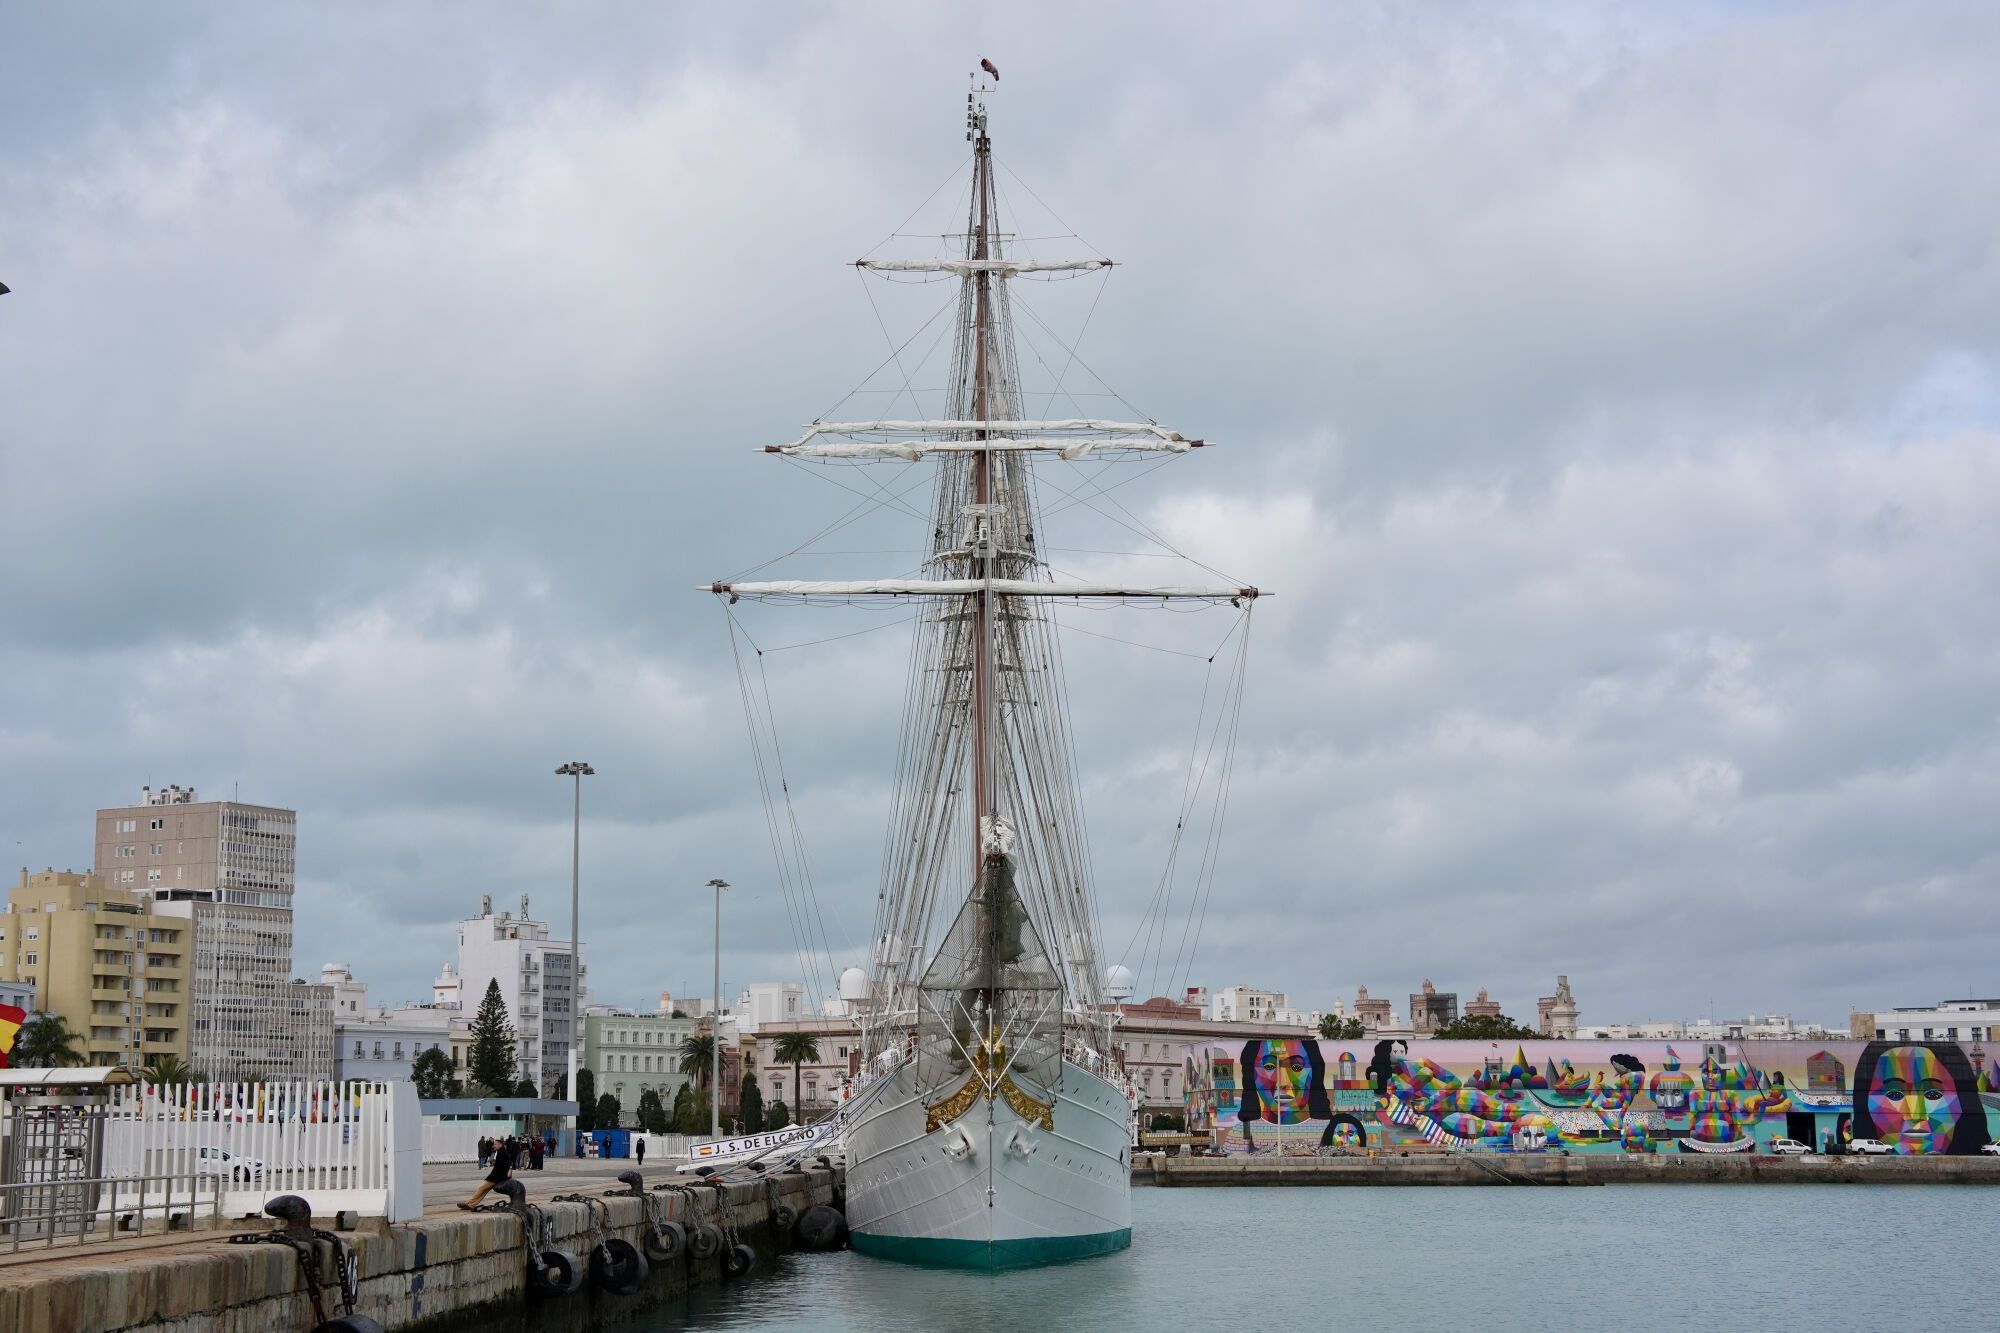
(226, 868)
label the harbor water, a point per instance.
(1638, 1257)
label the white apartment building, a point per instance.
(535, 980)
(228, 867)
(1948, 1020)
(1246, 1004)
(766, 1002)
(382, 1043)
(1752, 1027)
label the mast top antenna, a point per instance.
(975, 99)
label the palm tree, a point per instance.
(698, 1056)
(45, 1042)
(167, 1069)
(794, 1049)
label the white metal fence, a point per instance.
(458, 1140)
(354, 1145)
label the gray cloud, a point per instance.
(1609, 395)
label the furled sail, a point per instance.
(849, 589)
(999, 268)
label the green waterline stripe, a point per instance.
(939, 1252)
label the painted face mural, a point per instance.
(1912, 1100)
(1282, 1076)
(1917, 1097)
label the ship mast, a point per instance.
(985, 784)
(989, 616)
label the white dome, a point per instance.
(1119, 982)
(853, 984)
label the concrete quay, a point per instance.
(448, 1270)
(1577, 1169)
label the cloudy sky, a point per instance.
(1609, 393)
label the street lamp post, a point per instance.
(715, 1038)
(577, 770)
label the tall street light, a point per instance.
(577, 770)
(715, 1005)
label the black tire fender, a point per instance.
(820, 1228)
(617, 1266)
(666, 1241)
(784, 1216)
(739, 1260)
(558, 1274)
(706, 1241)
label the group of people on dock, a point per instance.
(502, 1157)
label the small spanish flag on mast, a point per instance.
(12, 1017)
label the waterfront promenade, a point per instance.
(448, 1264)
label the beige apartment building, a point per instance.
(101, 957)
(226, 869)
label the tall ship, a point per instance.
(994, 1127)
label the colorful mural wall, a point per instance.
(1292, 1095)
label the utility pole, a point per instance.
(578, 770)
(715, 1026)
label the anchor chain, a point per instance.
(303, 1242)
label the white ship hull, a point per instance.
(992, 1189)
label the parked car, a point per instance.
(1871, 1147)
(1991, 1149)
(1789, 1148)
(213, 1161)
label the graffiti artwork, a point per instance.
(1294, 1095)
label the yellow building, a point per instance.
(99, 957)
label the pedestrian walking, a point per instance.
(535, 1153)
(485, 1151)
(502, 1169)
(639, 1149)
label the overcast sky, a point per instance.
(1609, 394)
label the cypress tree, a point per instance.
(753, 1105)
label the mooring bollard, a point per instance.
(299, 1235)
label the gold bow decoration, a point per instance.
(990, 1052)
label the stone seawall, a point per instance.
(1632, 1169)
(445, 1271)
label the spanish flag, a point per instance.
(11, 1019)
